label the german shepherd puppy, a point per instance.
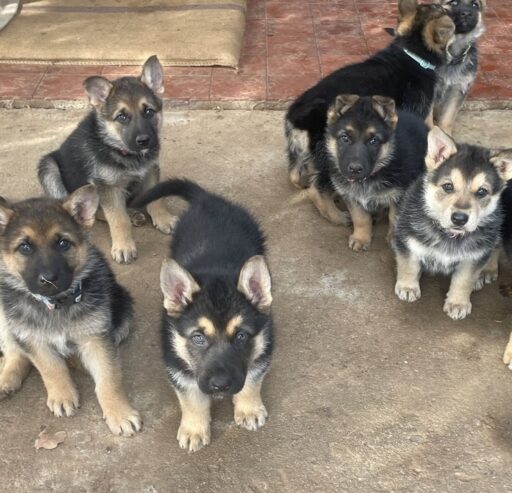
(404, 71)
(115, 147)
(369, 155)
(456, 77)
(59, 298)
(217, 327)
(450, 219)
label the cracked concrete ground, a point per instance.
(366, 393)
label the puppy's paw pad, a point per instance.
(357, 244)
(137, 218)
(125, 421)
(64, 404)
(408, 293)
(251, 418)
(457, 311)
(124, 254)
(192, 439)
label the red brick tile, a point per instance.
(288, 10)
(493, 65)
(293, 64)
(253, 65)
(296, 30)
(189, 87)
(306, 48)
(489, 87)
(85, 70)
(333, 12)
(255, 36)
(15, 68)
(195, 71)
(238, 87)
(20, 85)
(255, 9)
(378, 43)
(61, 86)
(115, 71)
(330, 63)
(346, 45)
(328, 29)
(286, 88)
(495, 44)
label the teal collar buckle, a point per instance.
(420, 61)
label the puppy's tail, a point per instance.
(186, 189)
(48, 172)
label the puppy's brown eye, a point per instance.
(345, 138)
(482, 192)
(25, 248)
(63, 244)
(447, 187)
(373, 141)
(149, 113)
(241, 337)
(475, 5)
(199, 340)
(122, 118)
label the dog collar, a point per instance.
(57, 302)
(420, 61)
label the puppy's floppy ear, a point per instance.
(82, 205)
(342, 104)
(153, 75)
(97, 88)
(5, 214)
(440, 147)
(255, 283)
(177, 285)
(407, 7)
(386, 108)
(502, 161)
(439, 33)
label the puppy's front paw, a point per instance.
(63, 402)
(165, 224)
(124, 253)
(507, 356)
(457, 311)
(358, 244)
(408, 293)
(250, 418)
(486, 277)
(123, 420)
(10, 382)
(193, 437)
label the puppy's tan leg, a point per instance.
(507, 356)
(489, 273)
(113, 203)
(324, 202)
(458, 305)
(102, 362)
(392, 219)
(162, 219)
(62, 393)
(15, 369)
(408, 269)
(194, 431)
(250, 413)
(361, 238)
(450, 109)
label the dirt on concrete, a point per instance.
(366, 394)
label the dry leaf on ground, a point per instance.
(49, 441)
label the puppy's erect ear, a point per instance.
(342, 104)
(407, 7)
(502, 161)
(82, 205)
(438, 34)
(177, 285)
(5, 214)
(97, 88)
(254, 282)
(386, 108)
(153, 75)
(440, 147)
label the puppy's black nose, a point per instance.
(355, 168)
(220, 383)
(142, 141)
(459, 218)
(48, 278)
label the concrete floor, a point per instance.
(366, 393)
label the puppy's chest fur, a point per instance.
(372, 195)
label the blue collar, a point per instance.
(63, 300)
(420, 61)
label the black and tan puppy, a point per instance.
(217, 327)
(59, 298)
(369, 155)
(404, 71)
(116, 147)
(456, 77)
(450, 220)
